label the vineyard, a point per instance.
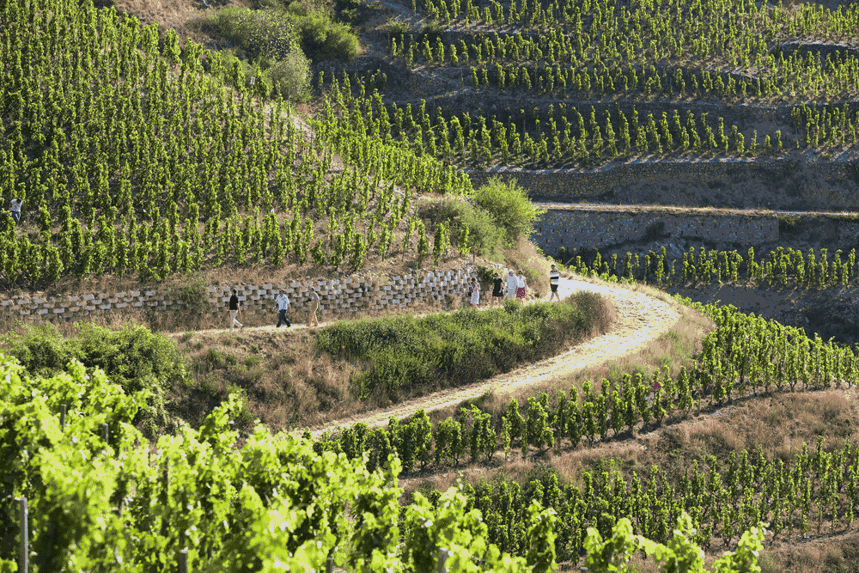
(136, 156)
(140, 155)
(742, 358)
(613, 81)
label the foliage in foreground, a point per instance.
(744, 356)
(406, 353)
(133, 357)
(272, 504)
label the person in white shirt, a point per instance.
(554, 281)
(520, 286)
(282, 302)
(15, 209)
(475, 292)
(511, 285)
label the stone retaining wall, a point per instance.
(628, 230)
(339, 297)
(577, 229)
(789, 185)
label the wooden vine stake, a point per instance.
(183, 561)
(24, 557)
(329, 565)
(443, 554)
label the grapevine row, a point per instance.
(548, 65)
(135, 157)
(781, 266)
(100, 497)
(745, 355)
(562, 135)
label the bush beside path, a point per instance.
(640, 319)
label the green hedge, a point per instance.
(415, 355)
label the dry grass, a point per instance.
(286, 381)
(184, 16)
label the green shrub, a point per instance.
(395, 28)
(271, 39)
(257, 32)
(133, 357)
(290, 76)
(485, 236)
(322, 38)
(509, 206)
(414, 355)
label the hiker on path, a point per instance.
(314, 305)
(234, 310)
(282, 305)
(520, 286)
(511, 285)
(15, 209)
(475, 292)
(554, 281)
(497, 289)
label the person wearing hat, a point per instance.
(511, 284)
(554, 281)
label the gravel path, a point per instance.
(640, 319)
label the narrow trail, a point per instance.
(641, 318)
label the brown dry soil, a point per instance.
(640, 319)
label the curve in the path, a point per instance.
(641, 318)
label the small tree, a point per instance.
(509, 206)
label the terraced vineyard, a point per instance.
(138, 153)
(612, 81)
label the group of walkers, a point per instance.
(281, 304)
(516, 287)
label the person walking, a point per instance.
(282, 305)
(314, 305)
(511, 285)
(475, 292)
(497, 292)
(520, 286)
(554, 281)
(234, 310)
(15, 209)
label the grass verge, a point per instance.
(307, 377)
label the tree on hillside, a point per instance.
(509, 206)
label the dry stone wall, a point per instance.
(619, 231)
(578, 229)
(791, 185)
(338, 297)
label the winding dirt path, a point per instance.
(640, 319)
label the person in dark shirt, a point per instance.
(234, 310)
(497, 290)
(554, 281)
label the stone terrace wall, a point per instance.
(608, 230)
(778, 185)
(577, 229)
(339, 297)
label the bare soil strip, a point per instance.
(640, 319)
